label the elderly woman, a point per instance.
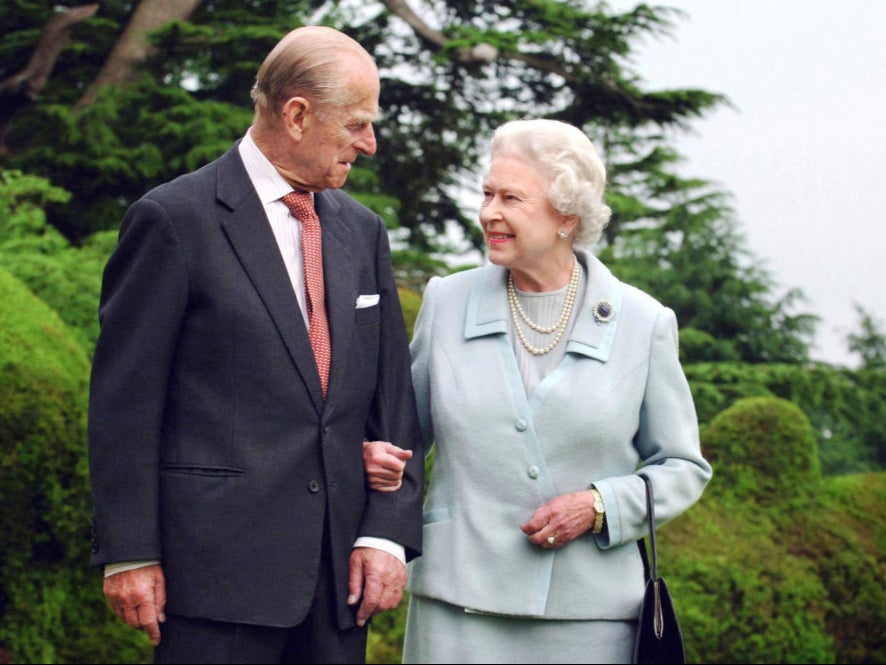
(545, 385)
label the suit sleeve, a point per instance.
(395, 515)
(420, 350)
(667, 441)
(143, 299)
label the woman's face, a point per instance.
(519, 223)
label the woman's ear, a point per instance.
(570, 224)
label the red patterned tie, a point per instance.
(302, 206)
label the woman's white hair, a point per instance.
(569, 162)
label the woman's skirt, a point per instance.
(437, 632)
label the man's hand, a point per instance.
(378, 578)
(384, 463)
(138, 597)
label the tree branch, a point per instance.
(485, 52)
(21, 89)
(133, 46)
(479, 53)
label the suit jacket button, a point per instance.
(314, 486)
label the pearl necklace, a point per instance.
(559, 327)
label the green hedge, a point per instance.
(51, 603)
(846, 408)
(776, 563)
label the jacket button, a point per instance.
(314, 486)
(532, 472)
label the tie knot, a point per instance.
(301, 204)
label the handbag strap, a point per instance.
(650, 515)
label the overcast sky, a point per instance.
(803, 151)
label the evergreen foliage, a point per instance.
(847, 409)
(444, 89)
(66, 277)
(870, 341)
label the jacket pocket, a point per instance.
(200, 470)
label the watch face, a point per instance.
(598, 506)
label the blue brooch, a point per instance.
(603, 311)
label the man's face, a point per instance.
(335, 137)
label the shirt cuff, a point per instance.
(388, 546)
(114, 568)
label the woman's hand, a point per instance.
(384, 463)
(561, 520)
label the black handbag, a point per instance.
(659, 638)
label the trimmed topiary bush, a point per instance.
(763, 449)
(847, 408)
(51, 605)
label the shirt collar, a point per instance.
(269, 184)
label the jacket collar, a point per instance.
(488, 312)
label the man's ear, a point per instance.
(296, 115)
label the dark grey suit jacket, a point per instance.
(211, 447)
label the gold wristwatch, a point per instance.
(600, 509)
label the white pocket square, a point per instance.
(367, 301)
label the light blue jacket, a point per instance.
(618, 401)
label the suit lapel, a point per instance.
(249, 233)
(591, 337)
(338, 274)
(487, 309)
